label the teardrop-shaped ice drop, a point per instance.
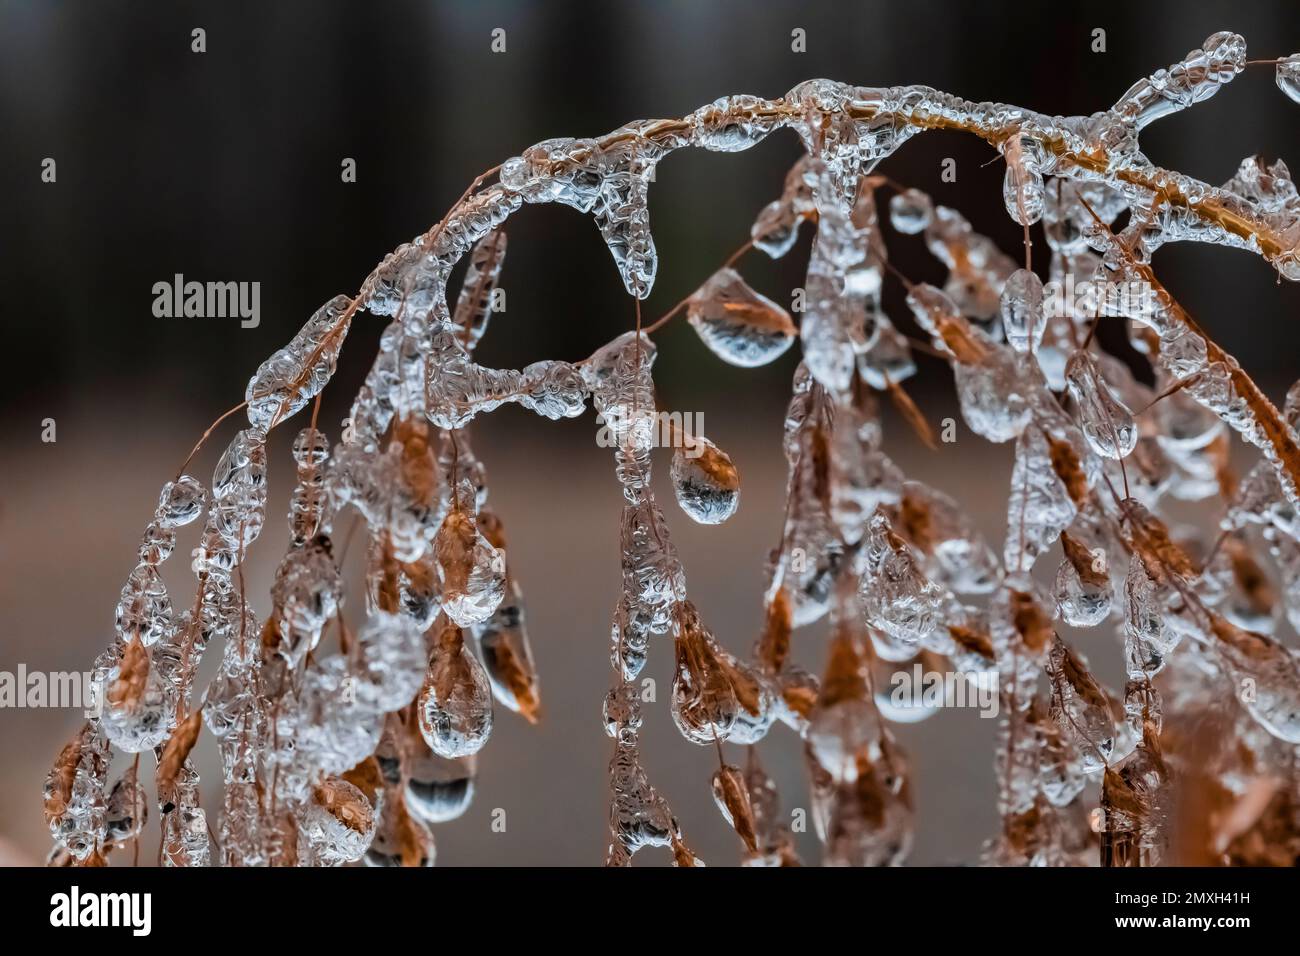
(740, 326)
(1106, 423)
(144, 610)
(910, 211)
(1021, 306)
(731, 795)
(180, 501)
(705, 481)
(1083, 596)
(455, 706)
(709, 690)
(1022, 187)
(1273, 670)
(471, 573)
(1288, 76)
(1147, 638)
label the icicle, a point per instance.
(1022, 190)
(638, 815)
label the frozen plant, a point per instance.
(355, 754)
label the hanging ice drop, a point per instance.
(740, 326)
(1106, 423)
(705, 481)
(455, 706)
(1021, 308)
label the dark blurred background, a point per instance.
(225, 165)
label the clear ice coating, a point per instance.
(705, 481)
(738, 325)
(1021, 308)
(471, 572)
(1288, 76)
(331, 757)
(294, 375)
(1106, 423)
(455, 704)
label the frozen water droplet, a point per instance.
(392, 658)
(471, 573)
(896, 597)
(294, 375)
(1106, 423)
(1021, 307)
(127, 809)
(74, 793)
(705, 481)
(144, 609)
(1083, 589)
(910, 211)
(1080, 707)
(455, 705)
(1275, 671)
(710, 688)
(180, 502)
(740, 326)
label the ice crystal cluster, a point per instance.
(355, 754)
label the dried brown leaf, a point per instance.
(912, 415)
(176, 750)
(133, 674)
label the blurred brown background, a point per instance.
(225, 166)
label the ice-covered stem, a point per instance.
(852, 128)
